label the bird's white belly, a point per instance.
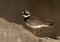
(37, 26)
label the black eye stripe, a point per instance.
(25, 14)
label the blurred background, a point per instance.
(48, 10)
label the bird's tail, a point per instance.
(49, 23)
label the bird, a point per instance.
(34, 22)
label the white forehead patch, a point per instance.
(23, 12)
(26, 12)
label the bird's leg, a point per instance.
(40, 30)
(34, 32)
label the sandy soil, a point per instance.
(11, 32)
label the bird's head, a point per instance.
(25, 13)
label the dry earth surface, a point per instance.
(12, 32)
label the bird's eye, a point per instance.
(25, 14)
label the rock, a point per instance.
(12, 32)
(47, 39)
